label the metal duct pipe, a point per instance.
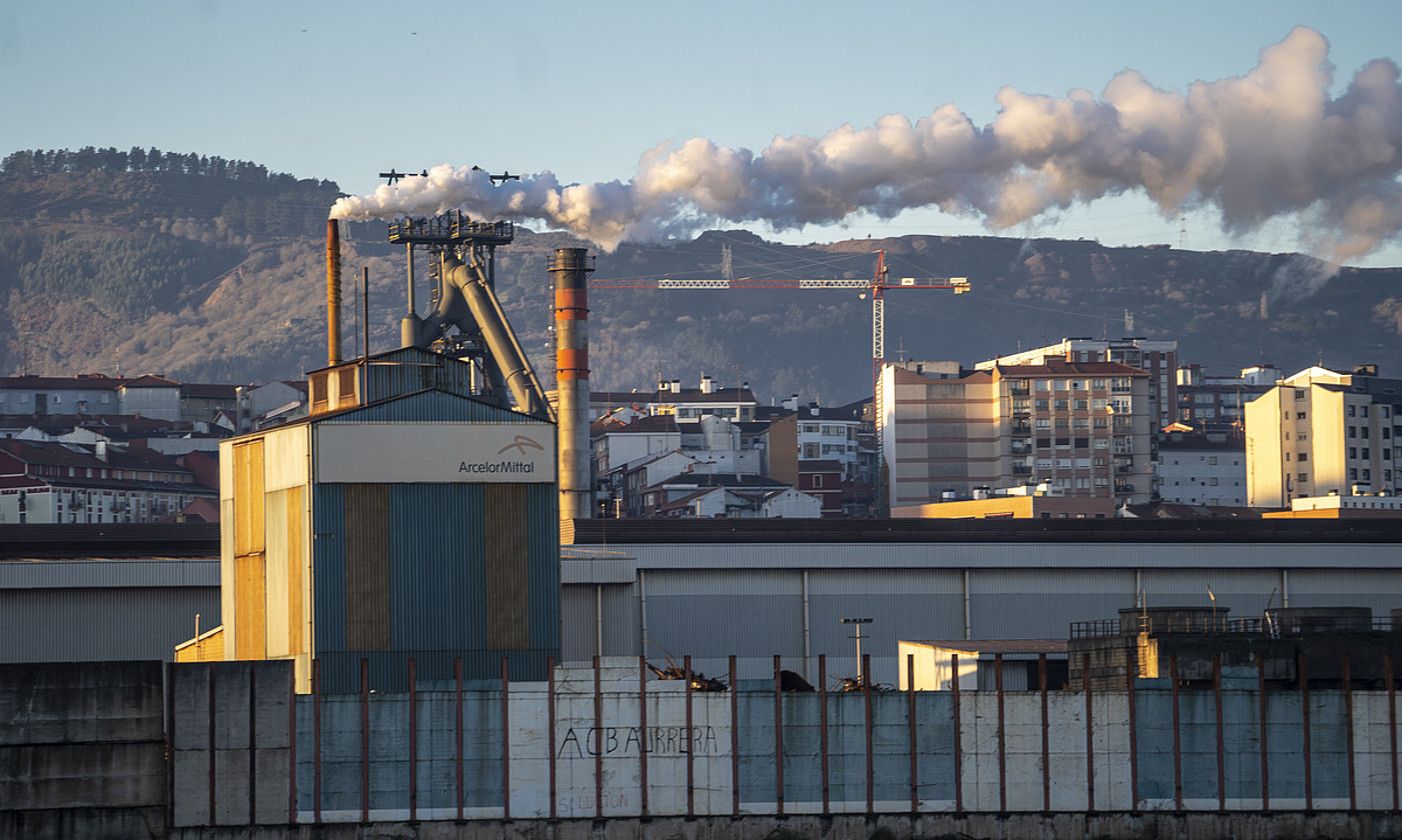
(496, 332)
(570, 269)
(333, 292)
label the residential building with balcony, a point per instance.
(1203, 469)
(1084, 428)
(1324, 431)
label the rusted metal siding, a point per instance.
(367, 566)
(507, 580)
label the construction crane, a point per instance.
(877, 287)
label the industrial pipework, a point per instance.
(333, 292)
(570, 268)
(470, 281)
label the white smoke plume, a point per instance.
(1269, 143)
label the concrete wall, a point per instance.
(82, 752)
(991, 762)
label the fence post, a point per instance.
(690, 744)
(1133, 740)
(866, 690)
(778, 739)
(734, 740)
(413, 742)
(292, 749)
(598, 742)
(1177, 737)
(316, 741)
(1002, 736)
(910, 720)
(1391, 724)
(365, 740)
(252, 743)
(1348, 735)
(1265, 749)
(1046, 734)
(457, 705)
(642, 739)
(1090, 735)
(210, 683)
(505, 738)
(1305, 734)
(1221, 739)
(958, 735)
(550, 739)
(823, 727)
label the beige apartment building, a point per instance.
(1082, 427)
(1323, 431)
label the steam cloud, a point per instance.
(1269, 143)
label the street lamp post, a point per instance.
(861, 677)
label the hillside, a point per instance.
(200, 268)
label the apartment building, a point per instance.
(1323, 431)
(710, 399)
(1158, 359)
(1084, 428)
(1206, 469)
(1218, 403)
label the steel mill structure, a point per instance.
(413, 515)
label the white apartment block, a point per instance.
(1323, 431)
(1084, 428)
(1201, 469)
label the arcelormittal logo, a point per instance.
(521, 444)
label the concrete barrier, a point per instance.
(82, 750)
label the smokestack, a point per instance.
(333, 292)
(571, 267)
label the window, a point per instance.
(1387, 433)
(1367, 453)
(1077, 385)
(1302, 457)
(1363, 411)
(1352, 473)
(1212, 482)
(1043, 423)
(1079, 405)
(1299, 415)
(1043, 385)
(1098, 384)
(817, 481)
(1367, 475)
(1303, 477)
(1352, 432)
(1099, 403)
(1041, 405)
(1061, 384)
(1363, 432)
(1212, 459)
(1059, 405)
(1099, 422)
(1352, 411)
(1353, 452)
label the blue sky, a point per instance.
(343, 90)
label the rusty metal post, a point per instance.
(1046, 734)
(958, 724)
(252, 744)
(457, 704)
(778, 740)
(505, 739)
(1348, 735)
(292, 750)
(910, 733)
(690, 745)
(1221, 738)
(1177, 737)
(1002, 736)
(1265, 749)
(1392, 726)
(734, 740)
(1090, 735)
(550, 739)
(210, 683)
(1305, 733)
(316, 741)
(413, 742)
(642, 738)
(364, 740)
(1133, 741)
(598, 742)
(866, 694)
(823, 727)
